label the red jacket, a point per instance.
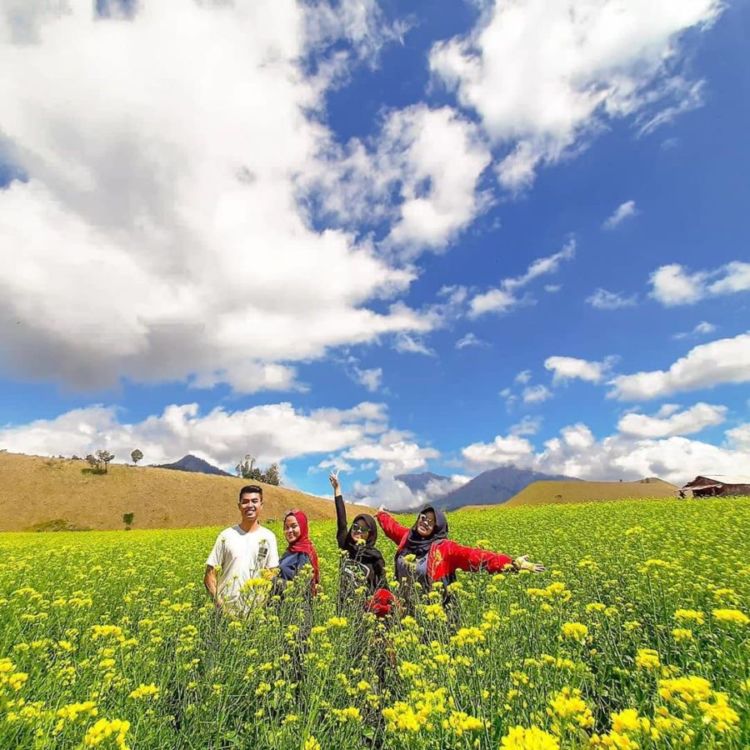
(445, 556)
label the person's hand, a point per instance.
(523, 563)
(381, 509)
(333, 478)
(218, 604)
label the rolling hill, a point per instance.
(193, 463)
(542, 493)
(494, 486)
(38, 493)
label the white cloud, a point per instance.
(569, 368)
(552, 288)
(674, 285)
(523, 377)
(687, 422)
(536, 394)
(704, 366)
(163, 195)
(432, 159)
(577, 453)
(470, 339)
(602, 299)
(271, 432)
(622, 212)
(527, 426)
(739, 437)
(576, 66)
(512, 449)
(371, 379)
(701, 329)
(407, 344)
(504, 297)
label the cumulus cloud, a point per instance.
(687, 422)
(536, 394)
(503, 450)
(622, 212)
(407, 344)
(576, 66)
(704, 366)
(470, 340)
(701, 329)
(570, 368)
(576, 452)
(163, 194)
(739, 437)
(674, 285)
(602, 299)
(432, 159)
(505, 297)
(271, 432)
(371, 378)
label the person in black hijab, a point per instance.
(363, 564)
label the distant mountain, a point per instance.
(418, 482)
(495, 486)
(193, 463)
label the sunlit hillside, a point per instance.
(49, 493)
(541, 493)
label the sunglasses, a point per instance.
(360, 529)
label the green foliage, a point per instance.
(127, 519)
(136, 455)
(248, 470)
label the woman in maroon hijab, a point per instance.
(301, 550)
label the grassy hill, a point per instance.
(50, 493)
(543, 493)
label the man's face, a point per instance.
(250, 505)
(426, 523)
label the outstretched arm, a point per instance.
(341, 527)
(392, 528)
(459, 557)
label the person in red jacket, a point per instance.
(437, 558)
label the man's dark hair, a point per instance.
(248, 488)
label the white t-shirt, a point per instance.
(238, 554)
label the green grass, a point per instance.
(617, 574)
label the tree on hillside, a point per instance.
(248, 470)
(272, 475)
(104, 457)
(136, 455)
(92, 461)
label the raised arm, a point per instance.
(392, 528)
(342, 530)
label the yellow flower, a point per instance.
(350, 713)
(647, 658)
(690, 689)
(104, 729)
(533, 738)
(568, 705)
(719, 714)
(733, 616)
(689, 615)
(145, 691)
(459, 722)
(576, 631)
(682, 634)
(311, 744)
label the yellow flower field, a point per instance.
(637, 636)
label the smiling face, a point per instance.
(426, 523)
(292, 530)
(250, 505)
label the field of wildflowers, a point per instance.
(636, 636)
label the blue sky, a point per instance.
(383, 237)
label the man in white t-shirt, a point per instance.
(240, 553)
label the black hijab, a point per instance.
(418, 545)
(366, 553)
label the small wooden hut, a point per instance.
(717, 485)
